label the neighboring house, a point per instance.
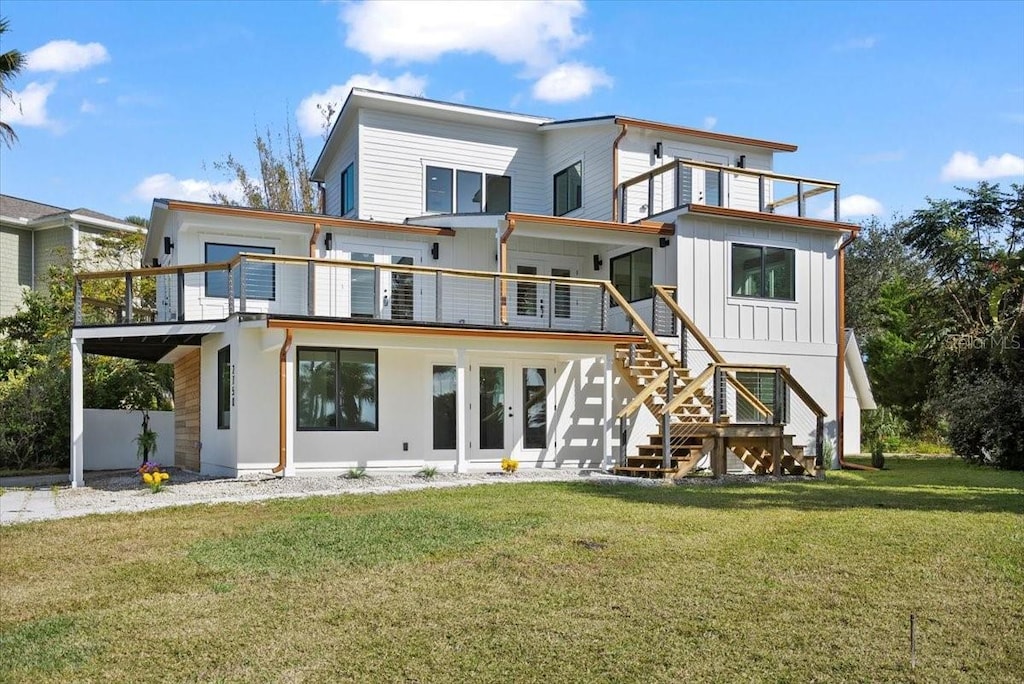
(35, 236)
(858, 396)
(605, 292)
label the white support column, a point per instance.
(461, 402)
(77, 475)
(289, 421)
(609, 415)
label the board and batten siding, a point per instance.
(704, 281)
(591, 145)
(395, 149)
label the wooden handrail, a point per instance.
(642, 396)
(669, 166)
(155, 271)
(674, 307)
(690, 389)
(668, 357)
(802, 393)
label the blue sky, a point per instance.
(897, 101)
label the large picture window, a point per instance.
(632, 274)
(259, 277)
(469, 192)
(224, 388)
(337, 389)
(348, 189)
(569, 189)
(766, 272)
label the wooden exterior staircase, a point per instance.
(695, 411)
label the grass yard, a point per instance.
(796, 581)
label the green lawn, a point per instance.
(797, 581)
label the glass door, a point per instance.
(494, 414)
(512, 415)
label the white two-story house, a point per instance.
(606, 292)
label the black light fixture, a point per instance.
(742, 162)
(598, 263)
(664, 242)
(168, 245)
(657, 150)
(328, 241)
(435, 251)
(156, 263)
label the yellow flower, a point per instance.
(165, 476)
(147, 478)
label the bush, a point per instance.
(877, 456)
(883, 427)
(986, 422)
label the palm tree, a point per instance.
(11, 62)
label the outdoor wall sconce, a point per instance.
(435, 251)
(663, 242)
(328, 241)
(156, 263)
(741, 163)
(168, 245)
(657, 150)
(598, 263)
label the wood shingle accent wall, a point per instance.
(187, 411)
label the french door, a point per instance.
(539, 303)
(511, 411)
(369, 293)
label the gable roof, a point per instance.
(31, 215)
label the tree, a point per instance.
(281, 182)
(975, 249)
(35, 377)
(11, 64)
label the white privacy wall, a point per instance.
(395, 149)
(110, 438)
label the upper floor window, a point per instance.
(569, 189)
(259, 277)
(766, 272)
(632, 274)
(469, 192)
(348, 189)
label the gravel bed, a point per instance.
(121, 492)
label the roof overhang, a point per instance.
(146, 342)
(858, 373)
(706, 135)
(548, 223)
(762, 217)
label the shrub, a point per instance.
(877, 456)
(428, 472)
(986, 422)
(356, 473)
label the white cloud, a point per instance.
(28, 107)
(859, 43)
(570, 81)
(166, 185)
(709, 122)
(66, 56)
(967, 166)
(88, 107)
(311, 120)
(531, 33)
(855, 206)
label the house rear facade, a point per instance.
(605, 292)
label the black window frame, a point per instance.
(224, 388)
(571, 203)
(347, 201)
(485, 199)
(630, 298)
(439, 444)
(762, 279)
(338, 351)
(255, 249)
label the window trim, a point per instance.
(455, 170)
(762, 280)
(337, 389)
(611, 262)
(579, 190)
(346, 203)
(224, 358)
(241, 248)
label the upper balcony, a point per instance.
(356, 293)
(679, 183)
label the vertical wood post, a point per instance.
(800, 209)
(551, 304)
(835, 203)
(438, 298)
(666, 424)
(497, 299)
(760, 192)
(310, 288)
(241, 284)
(128, 299)
(78, 301)
(377, 303)
(231, 290)
(180, 284)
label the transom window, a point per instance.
(337, 389)
(569, 189)
(348, 189)
(766, 272)
(469, 192)
(632, 274)
(259, 277)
